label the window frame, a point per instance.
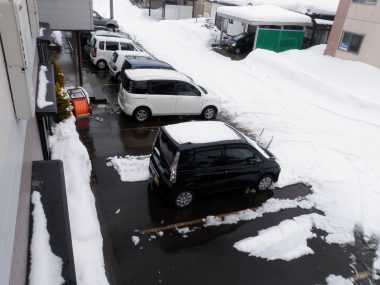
(367, 2)
(155, 94)
(348, 47)
(113, 42)
(198, 150)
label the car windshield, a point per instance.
(240, 36)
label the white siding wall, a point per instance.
(66, 14)
(11, 155)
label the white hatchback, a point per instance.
(103, 49)
(160, 92)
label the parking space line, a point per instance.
(187, 223)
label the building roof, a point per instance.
(156, 74)
(201, 132)
(264, 15)
(324, 7)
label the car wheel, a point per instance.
(111, 27)
(237, 51)
(183, 199)
(141, 114)
(101, 64)
(264, 183)
(209, 113)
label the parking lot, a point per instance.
(206, 254)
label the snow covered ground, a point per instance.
(85, 229)
(323, 112)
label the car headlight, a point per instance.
(234, 44)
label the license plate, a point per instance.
(156, 180)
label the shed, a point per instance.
(275, 28)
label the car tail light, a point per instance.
(94, 52)
(114, 67)
(173, 169)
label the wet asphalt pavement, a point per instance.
(206, 255)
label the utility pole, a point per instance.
(111, 9)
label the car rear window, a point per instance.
(166, 149)
(138, 87)
(101, 45)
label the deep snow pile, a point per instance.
(45, 266)
(42, 82)
(322, 112)
(85, 230)
(131, 168)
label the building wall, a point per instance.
(361, 19)
(66, 14)
(11, 155)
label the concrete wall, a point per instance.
(363, 19)
(66, 14)
(235, 28)
(176, 12)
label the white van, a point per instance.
(118, 59)
(102, 49)
(159, 92)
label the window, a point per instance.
(208, 158)
(162, 87)
(95, 15)
(127, 46)
(115, 56)
(350, 42)
(138, 87)
(184, 88)
(112, 45)
(230, 21)
(239, 155)
(101, 45)
(185, 160)
(365, 1)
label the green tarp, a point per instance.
(279, 40)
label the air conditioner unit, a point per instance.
(20, 54)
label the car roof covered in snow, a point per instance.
(201, 132)
(156, 74)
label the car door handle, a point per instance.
(226, 172)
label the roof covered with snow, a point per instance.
(201, 132)
(264, 15)
(324, 7)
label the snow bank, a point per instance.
(131, 168)
(338, 280)
(270, 206)
(45, 266)
(322, 112)
(85, 230)
(57, 37)
(42, 81)
(286, 241)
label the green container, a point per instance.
(279, 40)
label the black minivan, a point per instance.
(199, 157)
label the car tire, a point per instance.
(238, 51)
(101, 64)
(111, 27)
(264, 183)
(141, 114)
(184, 199)
(209, 113)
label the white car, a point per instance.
(118, 58)
(103, 48)
(160, 92)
